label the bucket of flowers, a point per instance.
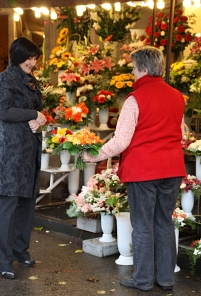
(75, 143)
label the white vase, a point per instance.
(60, 73)
(198, 167)
(103, 118)
(124, 239)
(89, 171)
(107, 223)
(187, 202)
(177, 268)
(73, 183)
(71, 97)
(65, 159)
(45, 157)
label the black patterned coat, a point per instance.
(20, 149)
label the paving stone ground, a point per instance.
(61, 270)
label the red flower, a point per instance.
(180, 29)
(184, 19)
(164, 26)
(178, 37)
(176, 19)
(158, 23)
(163, 42)
(149, 30)
(157, 34)
(188, 38)
(160, 14)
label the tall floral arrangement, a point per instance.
(182, 34)
(94, 59)
(61, 58)
(114, 23)
(104, 193)
(79, 26)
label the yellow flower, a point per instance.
(129, 83)
(60, 64)
(55, 139)
(64, 32)
(54, 61)
(61, 132)
(61, 40)
(65, 55)
(56, 49)
(119, 84)
(112, 82)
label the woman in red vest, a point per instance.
(148, 138)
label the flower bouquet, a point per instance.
(181, 35)
(103, 193)
(180, 219)
(73, 116)
(194, 148)
(75, 142)
(70, 80)
(103, 99)
(194, 253)
(122, 83)
(189, 182)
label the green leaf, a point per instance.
(67, 145)
(74, 151)
(93, 152)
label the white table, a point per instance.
(53, 171)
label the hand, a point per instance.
(34, 125)
(41, 119)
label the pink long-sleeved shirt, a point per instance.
(125, 129)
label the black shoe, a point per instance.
(127, 281)
(7, 275)
(27, 263)
(166, 287)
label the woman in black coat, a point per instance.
(20, 154)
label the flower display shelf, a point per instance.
(53, 183)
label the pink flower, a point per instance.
(86, 208)
(97, 65)
(108, 63)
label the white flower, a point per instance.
(96, 26)
(162, 33)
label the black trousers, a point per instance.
(16, 220)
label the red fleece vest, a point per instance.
(155, 150)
